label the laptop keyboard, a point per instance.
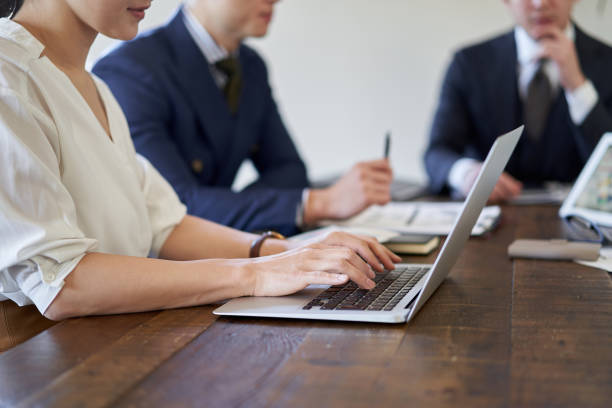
(391, 287)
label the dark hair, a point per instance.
(8, 8)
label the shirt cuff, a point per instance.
(581, 101)
(37, 280)
(459, 178)
(299, 213)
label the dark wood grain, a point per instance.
(32, 365)
(497, 333)
(561, 327)
(221, 368)
(107, 371)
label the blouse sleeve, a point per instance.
(40, 241)
(164, 207)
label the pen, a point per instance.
(387, 144)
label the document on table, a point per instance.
(604, 262)
(382, 235)
(551, 193)
(422, 217)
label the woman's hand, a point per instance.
(367, 247)
(331, 259)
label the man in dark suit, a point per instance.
(546, 73)
(198, 103)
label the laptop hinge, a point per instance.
(409, 305)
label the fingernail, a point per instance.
(340, 277)
(371, 284)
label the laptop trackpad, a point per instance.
(266, 305)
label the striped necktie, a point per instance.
(538, 103)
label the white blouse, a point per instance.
(66, 188)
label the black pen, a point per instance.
(387, 144)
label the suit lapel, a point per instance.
(197, 83)
(501, 87)
(507, 111)
(244, 131)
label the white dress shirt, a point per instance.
(580, 101)
(66, 188)
(212, 51)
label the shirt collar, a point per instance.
(212, 51)
(527, 48)
(16, 33)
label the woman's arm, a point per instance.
(196, 238)
(109, 284)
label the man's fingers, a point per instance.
(549, 33)
(381, 166)
(496, 195)
(509, 185)
(379, 197)
(377, 178)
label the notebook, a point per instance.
(399, 294)
(412, 244)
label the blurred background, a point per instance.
(344, 72)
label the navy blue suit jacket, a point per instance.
(180, 120)
(480, 100)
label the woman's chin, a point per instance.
(123, 34)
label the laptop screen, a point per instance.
(591, 194)
(597, 193)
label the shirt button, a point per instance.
(50, 276)
(197, 166)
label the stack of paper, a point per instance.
(433, 218)
(382, 235)
(604, 262)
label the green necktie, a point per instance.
(231, 67)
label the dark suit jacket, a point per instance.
(181, 122)
(480, 100)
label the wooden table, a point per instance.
(496, 333)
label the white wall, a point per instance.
(346, 71)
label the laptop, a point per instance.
(591, 195)
(399, 294)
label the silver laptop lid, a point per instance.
(477, 198)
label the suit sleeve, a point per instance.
(276, 159)
(597, 122)
(149, 114)
(452, 127)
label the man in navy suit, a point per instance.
(198, 103)
(546, 73)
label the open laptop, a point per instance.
(393, 298)
(591, 194)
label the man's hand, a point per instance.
(365, 184)
(556, 47)
(506, 189)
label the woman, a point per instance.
(80, 211)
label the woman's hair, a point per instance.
(8, 8)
